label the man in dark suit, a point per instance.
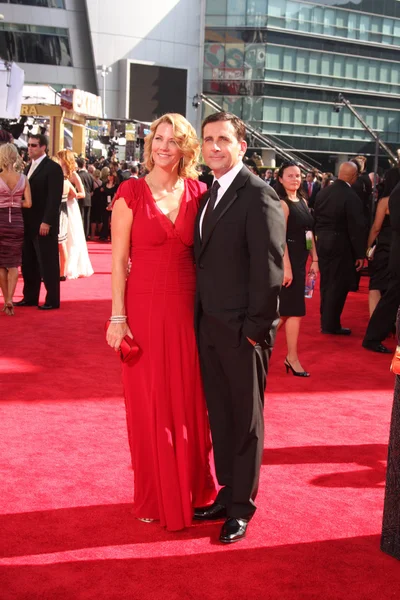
(40, 249)
(311, 188)
(239, 245)
(88, 186)
(340, 233)
(384, 315)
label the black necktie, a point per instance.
(207, 219)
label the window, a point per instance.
(328, 69)
(44, 3)
(35, 44)
(315, 121)
(333, 22)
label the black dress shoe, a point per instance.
(63, 278)
(376, 347)
(214, 512)
(233, 530)
(341, 331)
(24, 303)
(47, 307)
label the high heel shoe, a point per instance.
(145, 520)
(9, 309)
(295, 373)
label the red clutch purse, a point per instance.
(129, 351)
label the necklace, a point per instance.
(178, 186)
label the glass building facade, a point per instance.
(280, 65)
(35, 44)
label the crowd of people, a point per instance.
(41, 204)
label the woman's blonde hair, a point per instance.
(68, 158)
(186, 139)
(9, 156)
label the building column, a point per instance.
(56, 134)
(269, 158)
(79, 139)
(340, 159)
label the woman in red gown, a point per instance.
(153, 224)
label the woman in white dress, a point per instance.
(78, 264)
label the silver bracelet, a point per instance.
(117, 319)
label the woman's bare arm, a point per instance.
(77, 182)
(121, 225)
(381, 211)
(27, 201)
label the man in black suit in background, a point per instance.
(311, 187)
(340, 234)
(40, 249)
(384, 315)
(239, 244)
(88, 186)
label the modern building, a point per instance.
(280, 65)
(153, 49)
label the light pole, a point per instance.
(104, 71)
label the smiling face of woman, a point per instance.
(165, 151)
(291, 179)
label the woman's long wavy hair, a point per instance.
(278, 187)
(186, 139)
(68, 158)
(9, 157)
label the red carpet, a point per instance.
(66, 527)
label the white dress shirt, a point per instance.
(35, 164)
(224, 182)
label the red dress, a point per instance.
(166, 412)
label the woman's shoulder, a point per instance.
(196, 187)
(130, 190)
(129, 187)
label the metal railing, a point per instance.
(266, 141)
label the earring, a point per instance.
(181, 163)
(151, 159)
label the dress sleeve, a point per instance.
(197, 189)
(128, 191)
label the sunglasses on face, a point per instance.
(33, 145)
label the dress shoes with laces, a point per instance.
(47, 307)
(341, 331)
(24, 303)
(213, 512)
(233, 530)
(376, 347)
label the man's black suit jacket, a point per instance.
(240, 262)
(363, 189)
(315, 189)
(339, 221)
(47, 182)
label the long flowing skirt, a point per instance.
(79, 264)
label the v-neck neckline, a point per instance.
(11, 190)
(172, 223)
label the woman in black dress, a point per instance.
(381, 233)
(107, 193)
(299, 221)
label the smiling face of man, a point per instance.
(221, 148)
